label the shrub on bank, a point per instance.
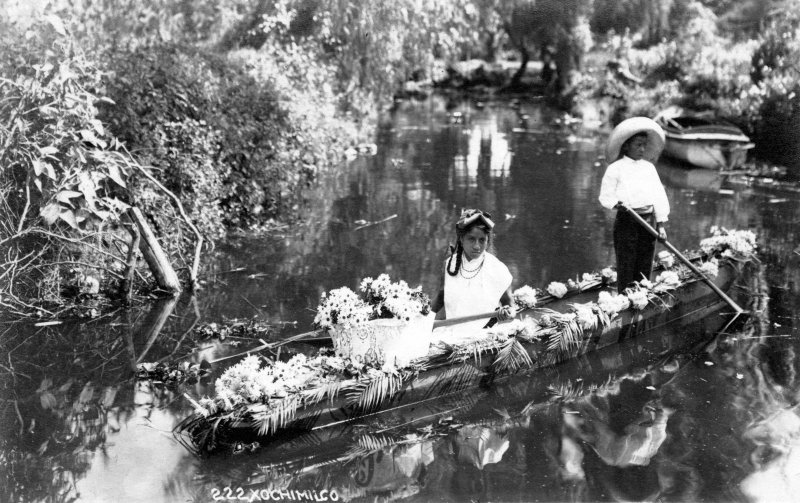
(235, 136)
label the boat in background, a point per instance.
(702, 140)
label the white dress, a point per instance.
(475, 289)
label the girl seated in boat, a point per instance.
(474, 280)
(632, 181)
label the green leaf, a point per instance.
(115, 174)
(98, 127)
(38, 167)
(50, 212)
(48, 150)
(64, 196)
(57, 24)
(51, 172)
(69, 217)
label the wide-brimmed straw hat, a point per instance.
(630, 127)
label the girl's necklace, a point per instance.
(473, 271)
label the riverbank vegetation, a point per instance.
(212, 117)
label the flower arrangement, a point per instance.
(729, 243)
(557, 289)
(343, 307)
(394, 300)
(382, 299)
(525, 297)
(249, 382)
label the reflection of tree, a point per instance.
(66, 390)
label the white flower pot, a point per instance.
(384, 340)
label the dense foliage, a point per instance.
(234, 106)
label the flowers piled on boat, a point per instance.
(394, 299)
(525, 297)
(612, 303)
(585, 315)
(382, 299)
(557, 289)
(639, 297)
(730, 243)
(710, 268)
(667, 280)
(666, 259)
(609, 275)
(343, 307)
(249, 382)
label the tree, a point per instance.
(562, 25)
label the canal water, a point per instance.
(719, 423)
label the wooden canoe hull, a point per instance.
(433, 390)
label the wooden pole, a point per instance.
(685, 260)
(154, 255)
(464, 319)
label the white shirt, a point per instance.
(635, 183)
(473, 291)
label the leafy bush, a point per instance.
(63, 177)
(236, 137)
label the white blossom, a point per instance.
(638, 298)
(710, 268)
(557, 289)
(609, 274)
(525, 297)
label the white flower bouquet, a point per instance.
(394, 300)
(612, 303)
(639, 297)
(389, 325)
(557, 289)
(249, 382)
(667, 280)
(710, 268)
(729, 243)
(525, 297)
(341, 307)
(608, 275)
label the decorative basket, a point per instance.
(384, 340)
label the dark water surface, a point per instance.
(716, 424)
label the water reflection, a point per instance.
(719, 427)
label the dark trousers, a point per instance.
(634, 247)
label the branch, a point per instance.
(27, 203)
(199, 244)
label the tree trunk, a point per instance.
(154, 255)
(516, 79)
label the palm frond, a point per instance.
(512, 357)
(569, 335)
(330, 389)
(277, 417)
(369, 392)
(454, 380)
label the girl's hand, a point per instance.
(506, 313)
(662, 233)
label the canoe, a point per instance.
(381, 453)
(702, 141)
(563, 329)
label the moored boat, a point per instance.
(586, 320)
(703, 141)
